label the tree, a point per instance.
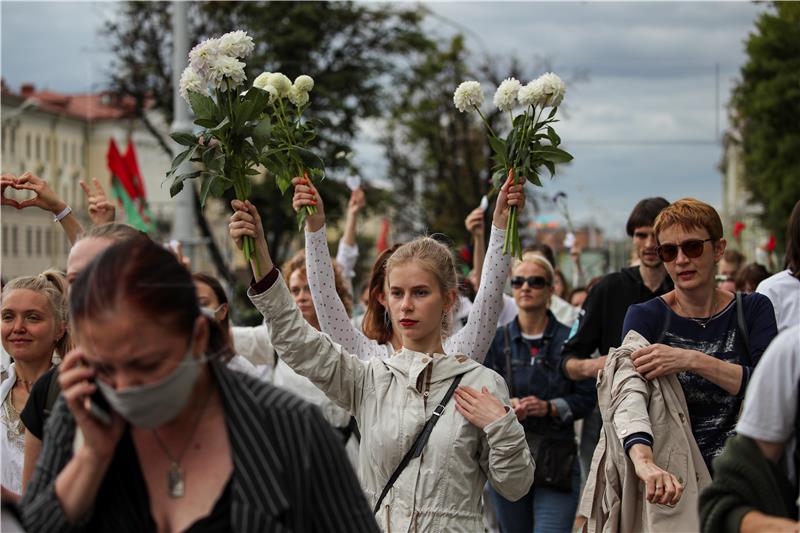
(348, 48)
(766, 110)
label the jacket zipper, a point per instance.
(388, 520)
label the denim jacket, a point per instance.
(540, 376)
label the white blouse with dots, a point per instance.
(472, 340)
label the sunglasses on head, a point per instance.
(534, 282)
(693, 248)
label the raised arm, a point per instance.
(46, 199)
(308, 352)
(101, 211)
(474, 338)
(331, 313)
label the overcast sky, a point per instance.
(644, 123)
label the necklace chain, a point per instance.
(175, 477)
(702, 322)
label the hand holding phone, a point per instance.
(99, 407)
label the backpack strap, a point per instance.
(507, 354)
(419, 442)
(742, 326)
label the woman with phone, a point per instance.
(191, 445)
(34, 329)
(417, 476)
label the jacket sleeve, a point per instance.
(254, 344)
(505, 457)
(308, 352)
(41, 510)
(475, 337)
(629, 398)
(581, 400)
(331, 313)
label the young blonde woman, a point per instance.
(472, 340)
(477, 435)
(34, 328)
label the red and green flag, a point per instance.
(127, 185)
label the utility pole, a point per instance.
(184, 219)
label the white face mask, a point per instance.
(152, 405)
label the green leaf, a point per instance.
(206, 122)
(177, 183)
(251, 106)
(550, 166)
(551, 153)
(309, 158)
(499, 147)
(180, 158)
(223, 124)
(552, 113)
(261, 133)
(498, 178)
(553, 136)
(283, 183)
(202, 106)
(183, 138)
(207, 183)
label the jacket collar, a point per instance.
(257, 497)
(515, 331)
(409, 364)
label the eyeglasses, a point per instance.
(534, 282)
(693, 248)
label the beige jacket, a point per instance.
(613, 499)
(441, 490)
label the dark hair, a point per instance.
(793, 242)
(645, 213)
(542, 249)
(749, 276)
(564, 283)
(219, 292)
(735, 257)
(374, 324)
(139, 274)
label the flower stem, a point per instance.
(486, 122)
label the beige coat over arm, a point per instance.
(614, 499)
(441, 490)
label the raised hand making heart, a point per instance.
(45, 198)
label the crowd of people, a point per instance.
(662, 397)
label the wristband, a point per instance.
(59, 217)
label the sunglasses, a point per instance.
(693, 248)
(534, 282)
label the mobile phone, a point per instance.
(99, 407)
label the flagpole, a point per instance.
(184, 219)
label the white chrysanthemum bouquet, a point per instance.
(243, 128)
(532, 142)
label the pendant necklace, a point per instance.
(702, 322)
(176, 483)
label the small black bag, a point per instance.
(554, 457)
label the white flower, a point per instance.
(191, 81)
(225, 71)
(304, 83)
(202, 55)
(553, 88)
(262, 80)
(506, 94)
(281, 83)
(273, 93)
(236, 44)
(467, 95)
(531, 94)
(297, 97)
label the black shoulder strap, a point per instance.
(419, 442)
(507, 353)
(742, 325)
(53, 390)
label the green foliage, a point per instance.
(766, 110)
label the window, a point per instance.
(29, 241)
(28, 145)
(47, 148)
(13, 140)
(48, 242)
(38, 147)
(14, 235)
(64, 152)
(5, 138)
(38, 242)
(5, 240)
(65, 244)
(74, 153)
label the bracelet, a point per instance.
(59, 217)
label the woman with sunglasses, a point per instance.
(698, 332)
(527, 353)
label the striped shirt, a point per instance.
(290, 472)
